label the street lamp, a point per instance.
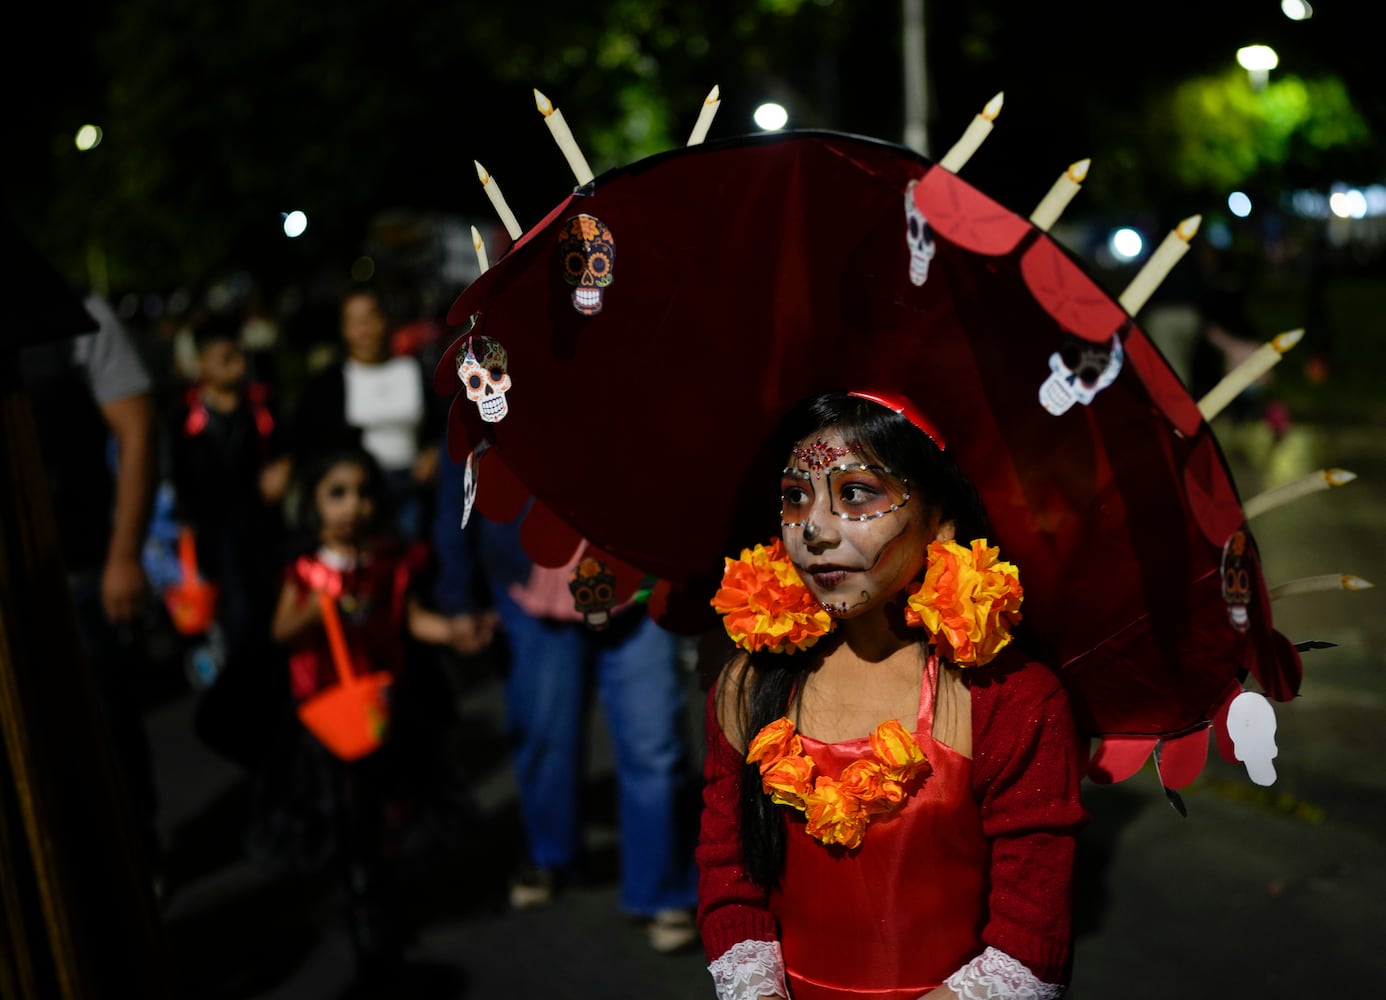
(1258, 61)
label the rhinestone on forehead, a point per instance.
(817, 455)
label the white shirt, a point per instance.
(386, 402)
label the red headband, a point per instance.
(906, 409)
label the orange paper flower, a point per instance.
(969, 602)
(838, 810)
(765, 605)
(834, 817)
(789, 780)
(772, 743)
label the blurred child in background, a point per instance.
(347, 608)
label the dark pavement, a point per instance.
(1259, 892)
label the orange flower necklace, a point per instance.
(838, 810)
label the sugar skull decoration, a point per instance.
(483, 368)
(1236, 581)
(594, 592)
(919, 238)
(588, 255)
(1251, 724)
(1078, 371)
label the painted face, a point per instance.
(850, 527)
(364, 328)
(344, 503)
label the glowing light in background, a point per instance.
(1125, 243)
(1296, 10)
(1349, 203)
(771, 117)
(87, 137)
(1258, 61)
(295, 224)
(1239, 204)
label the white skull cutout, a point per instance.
(1251, 724)
(919, 238)
(1079, 371)
(483, 368)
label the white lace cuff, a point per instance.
(749, 970)
(994, 975)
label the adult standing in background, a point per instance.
(554, 660)
(377, 401)
(93, 408)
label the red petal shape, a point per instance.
(1165, 389)
(963, 215)
(1068, 294)
(1119, 757)
(547, 538)
(1181, 758)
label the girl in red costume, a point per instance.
(892, 792)
(371, 579)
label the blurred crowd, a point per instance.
(286, 536)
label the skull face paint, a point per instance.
(919, 238)
(1079, 371)
(853, 565)
(588, 255)
(1236, 581)
(483, 368)
(593, 587)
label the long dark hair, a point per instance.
(771, 679)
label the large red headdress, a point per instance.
(757, 271)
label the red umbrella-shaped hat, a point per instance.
(647, 336)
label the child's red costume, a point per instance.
(371, 596)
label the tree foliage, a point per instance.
(218, 117)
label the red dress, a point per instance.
(975, 857)
(371, 596)
(902, 886)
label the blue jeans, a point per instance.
(635, 668)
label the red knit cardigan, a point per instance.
(1026, 771)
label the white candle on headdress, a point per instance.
(1314, 584)
(1261, 360)
(1166, 255)
(553, 118)
(480, 249)
(705, 117)
(493, 191)
(976, 132)
(1049, 209)
(1323, 479)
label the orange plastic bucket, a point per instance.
(351, 718)
(192, 601)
